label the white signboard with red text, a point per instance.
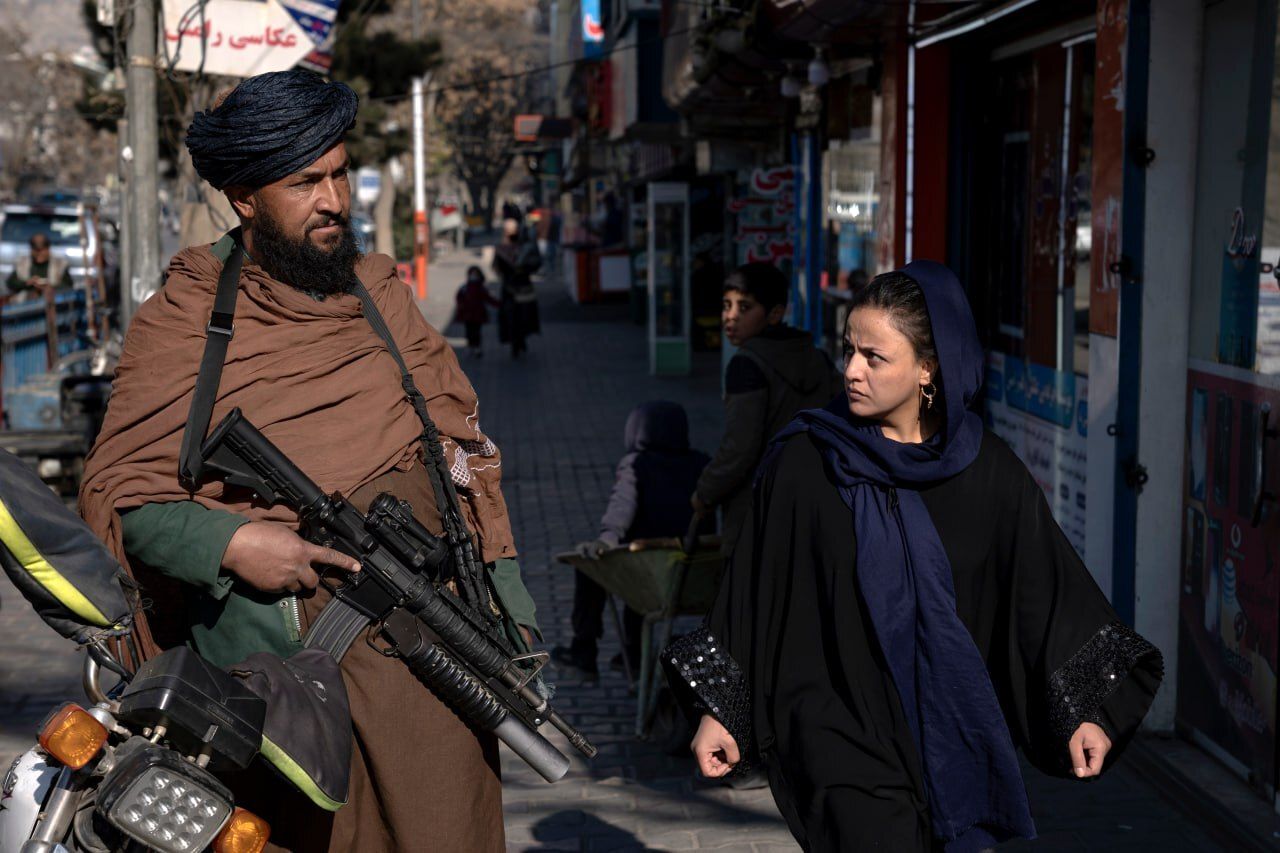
(241, 38)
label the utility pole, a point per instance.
(142, 219)
(421, 225)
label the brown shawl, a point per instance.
(312, 376)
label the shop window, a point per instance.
(1234, 317)
(1031, 207)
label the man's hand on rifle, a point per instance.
(271, 557)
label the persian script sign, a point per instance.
(241, 39)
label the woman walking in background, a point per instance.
(515, 260)
(902, 611)
(473, 312)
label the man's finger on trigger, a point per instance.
(330, 557)
(308, 578)
(1076, 747)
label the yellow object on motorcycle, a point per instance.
(71, 736)
(245, 832)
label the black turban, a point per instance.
(269, 127)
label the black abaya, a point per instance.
(807, 690)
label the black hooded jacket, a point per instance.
(654, 479)
(773, 375)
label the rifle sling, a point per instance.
(218, 334)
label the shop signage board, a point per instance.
(240, 39)
(1230, 590)
(592, 30)
(765, 217)
(1043, 415)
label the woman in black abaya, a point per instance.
(903, 611)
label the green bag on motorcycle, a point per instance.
(74, 583)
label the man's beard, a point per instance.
(303, 265)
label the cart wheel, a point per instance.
(671, 731)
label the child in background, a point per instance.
(649, 501)
(473, 301)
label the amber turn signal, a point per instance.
(72, 736)
(245, 832)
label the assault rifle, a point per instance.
(455, 646)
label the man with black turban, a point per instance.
(306, 366)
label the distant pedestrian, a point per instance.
(548, 224)
(39, 270)
(515, 260)
(555, 227)
(776, 372)
(473, 312)
(648, 501)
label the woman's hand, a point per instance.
(1089, 747)
(714, 748)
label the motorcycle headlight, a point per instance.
(162, 801)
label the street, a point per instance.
(1026, 254)
(557, 414)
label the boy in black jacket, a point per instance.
(776, 372)
(649, 500)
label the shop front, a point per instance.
(1229, 593)
(1004, 154)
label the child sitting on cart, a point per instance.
(649, 500)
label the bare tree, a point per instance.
(43, 141)
(478, 122)
(489, 48)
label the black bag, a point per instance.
(307, 733)
(529, 259)
(71, 579)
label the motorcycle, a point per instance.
(143, 765)
(139, 767)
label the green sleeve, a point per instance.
(184, 540)
(513, 595)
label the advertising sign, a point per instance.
(765, 218)
(1043, 415)
(592, 30)
(241, 38)
(1230, 593)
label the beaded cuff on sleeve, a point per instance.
(1078, 688)
(707, 680)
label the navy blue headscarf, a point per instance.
(975, 789)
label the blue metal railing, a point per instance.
(24, 335)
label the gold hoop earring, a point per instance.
(928, 394)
